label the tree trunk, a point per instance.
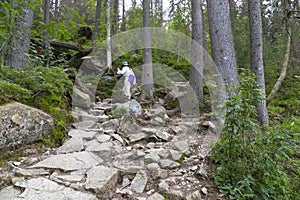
(196, 69)
(204, 40)
(221, 41)
(97, 21)
(147, 79)
(46, 22)
(278, 83)
(108, 38)
(256, 59)
(17, 54)
(56, 10)
(116, 18)
(123, 25)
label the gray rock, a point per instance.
(102, 118)
(163, 186)
(157, 111)
(71, 177)
(128, 162)
(80, 99)
(110, 124)
(21, 124)
(125, 191)
(156, 121)
(127, 126)
(139, 182)
(156, 196)
(204, 191)
(149, 131)
(175, 155)
(103, 138)
(176, 130)
(196, 195)
(70, 162)
(168, 164)
(138, 136)
(182, 146)
(102, 149)
(85, 125)
(150, 145)
(117, 137)
(42, 188)
(101, 179)
(163, 135)
(84, 135)
(32, 172)
(9, 193)
(156, 172)
(202, 172)
(135, 109)
(72, 145)
(163, 153)
(151, 158)
(132, 108)
(88, 117)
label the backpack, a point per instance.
(131, 77)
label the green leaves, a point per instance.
(253, 162)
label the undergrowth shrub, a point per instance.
(254, 162)
(47, 89)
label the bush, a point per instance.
(253, 161)
(12, 92)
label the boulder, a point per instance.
(21, 124)
(80, 99)
(132, 108)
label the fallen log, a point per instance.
(70, 45)
(65, 45)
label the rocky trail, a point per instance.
(112, 156)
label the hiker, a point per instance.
(129, 78)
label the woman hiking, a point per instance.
(129, 78)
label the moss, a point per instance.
(47, 89)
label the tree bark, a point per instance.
(147, 79)
(108, 36)
(17, 54)
(221, 41)
(256, 58)
(116, 17)
(56, 12)
(97, 21)
(278, 83)
(46, 22)
(196, 69)
(123, 25)
(204, 40)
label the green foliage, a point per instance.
(253, 161)
(47, 89)
(12, 92)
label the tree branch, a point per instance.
(278, 83)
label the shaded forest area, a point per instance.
(255, 46)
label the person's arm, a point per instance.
(121, 71)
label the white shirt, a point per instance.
(125, 71)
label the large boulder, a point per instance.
(21, 124)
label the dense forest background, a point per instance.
(42, 43)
